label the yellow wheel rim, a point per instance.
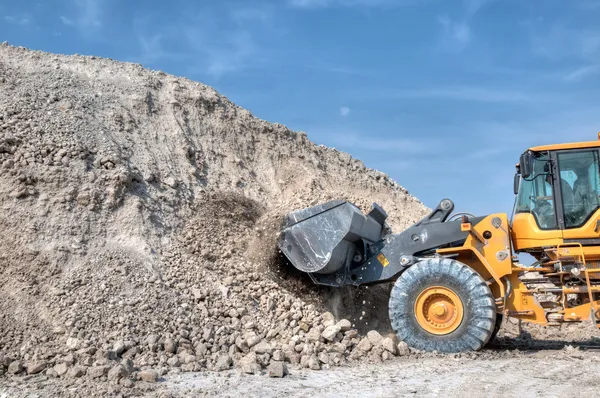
(439, 310)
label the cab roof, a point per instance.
(572, 145)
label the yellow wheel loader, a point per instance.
(456, 276)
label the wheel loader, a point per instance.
(456, 276)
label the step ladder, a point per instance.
(587, 272)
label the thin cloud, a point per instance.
(558, 41)
(457, 33)
(459, 93)
(344, 111)
(213, 41)
(88, 15)
(582, 73)
(312, 4)
(21, 20)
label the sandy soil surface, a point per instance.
(491, 373)
(536, 373)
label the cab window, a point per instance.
(580, 186)
(536, 195)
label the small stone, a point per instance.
(314, 334)
(263, 348)
(313, 363)
(116, 373)
(72, 344)
(330, 332)
(328, 319)
(344, 325)
(119, 347)
(36, 367)
(127, 383)
(170, 346)
(403, 349)
(152, 339)
(77, 371)
(96, 372)
(15, 367)
(365, 345)
(174, 362)
(278, 355)
(277, 369)
(149, 375)
(249, 364)
(324, 357)
(252, 340)
(374, 337)
(61, 369)
(201, 350)
(223, 363)
(172, 182)
(388, 344)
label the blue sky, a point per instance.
(443, 95)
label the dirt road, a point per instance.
(491, 373)
(533, 374)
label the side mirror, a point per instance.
(526, 164)
(517, 182)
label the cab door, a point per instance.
(579, 173)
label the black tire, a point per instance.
(479, 309)
(497, 326)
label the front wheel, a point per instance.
(442, 305)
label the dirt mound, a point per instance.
(139, 213)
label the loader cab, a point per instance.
(558, 197)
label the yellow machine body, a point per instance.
(563, 238)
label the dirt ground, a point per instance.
(492, 372)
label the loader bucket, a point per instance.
(324, 238)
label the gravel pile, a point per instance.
(139, 213)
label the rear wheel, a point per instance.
(442, 305)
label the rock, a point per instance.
(119, 347)
(36, 367)
(116, 373)
(374, 337)
(388, 344)
(277, 369)
(344, 325)
(223, 363)
(149, 375)
(69, 359)
(127, 383)
(77, 371)
(324, 358)
(61, 369)
(263, 348)
(328, 319)
(170, 346)
(15, 367)
(201, 350)
(128, 365)
(242, 345)
(252, 340)
(73, 344)
(330, 332)
(152, 339)
(365, 345)
(172, 182)
(174, 361)
(403, 349)
(314, 334)
(313, 363)
(249, 365)
(278, 355)
(96, 372)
